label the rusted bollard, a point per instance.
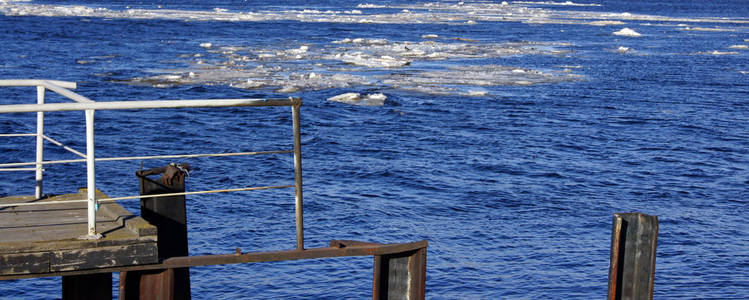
(634, 238)
(169, 216)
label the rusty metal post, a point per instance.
(298, 175)
(400, 275)
(169, 216)
(634, 238)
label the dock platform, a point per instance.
(62, 237)
(46, 239)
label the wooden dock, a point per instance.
(44, 240)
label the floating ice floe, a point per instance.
(377, 99)
(709, 29)
(300, 50)
(477, 93)
(605, 23)
(362, 41)
(363, 59)
(415, 13)
(623, 50)
(357, 62)
(565, 3)
(742, 47)
(445, 82)
(717, 52)
(627, 32)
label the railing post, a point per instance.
(298, 175)
(39, 143)
(91, 176)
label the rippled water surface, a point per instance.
(504, 134)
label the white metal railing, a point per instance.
(89, 107)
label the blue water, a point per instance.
(512, 183)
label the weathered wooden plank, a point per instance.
(124, 217)
(45, 239)
(37, 239)
(14, 218)
(26, 263)
(59, 227)
(103, 257)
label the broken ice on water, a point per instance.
(358, 62)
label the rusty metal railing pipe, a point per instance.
(298, 174)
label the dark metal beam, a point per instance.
(340, 249)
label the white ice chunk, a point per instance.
(367, 5)
(366, 60)
(743, 47)
(206, 45)
(377, 99)
(605, 23)
(627, 32)
(622, 49)
(300, 50)
(716, 52)
(347, 97)
(477, 93)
